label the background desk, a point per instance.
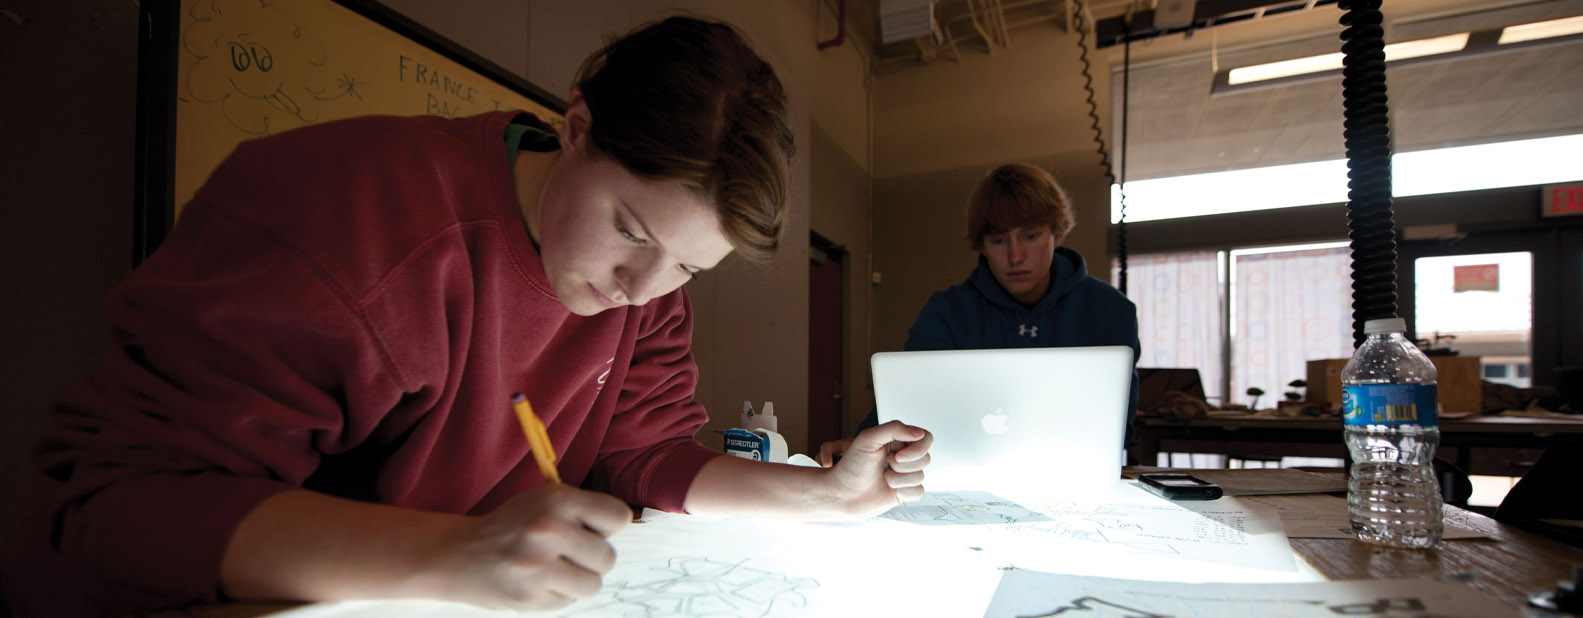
(1493, 445)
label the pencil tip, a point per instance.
(518, 398)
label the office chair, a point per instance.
(1547, 496)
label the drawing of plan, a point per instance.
(698, 587)
(1214, 533)
(1222, 531)
(962, 508)
(1031, 594)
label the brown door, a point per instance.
(824, 347)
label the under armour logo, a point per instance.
(1029, 331)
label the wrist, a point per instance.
(434, 562)
(833, 497)
(733, 486)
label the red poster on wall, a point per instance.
(1476, 278)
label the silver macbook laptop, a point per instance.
(1028, 421)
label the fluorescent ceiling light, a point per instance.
(1424, 172)
(1330, 62)
(1426, 47)
(1284, 68)
(1541, 30)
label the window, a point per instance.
(1290, 305)
(1479, 304)
(1180, 313)
(1282, 306)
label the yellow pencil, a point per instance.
(538, 438)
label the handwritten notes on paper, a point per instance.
(1031, 594)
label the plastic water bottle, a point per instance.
(1392, 429)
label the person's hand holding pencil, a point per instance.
(540, 550)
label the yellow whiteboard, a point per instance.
(249, 68)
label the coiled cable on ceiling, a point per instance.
(1082, 23)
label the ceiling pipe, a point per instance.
(840, 35)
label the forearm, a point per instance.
(302, 545)
(882, 467)
(736, 486)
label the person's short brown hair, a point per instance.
(687, 100)
(1014, 196)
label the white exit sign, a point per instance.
(1563, 200)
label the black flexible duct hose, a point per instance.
(1368, 139)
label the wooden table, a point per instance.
(1510, 565)
(1493, 445)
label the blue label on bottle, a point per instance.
(1389, 404)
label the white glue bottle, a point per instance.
(764, 420)
(756, 438)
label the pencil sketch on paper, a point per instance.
(1090, 606)
(686, 586)
(962, 508)
(1034, 594)
(265, 71)
(1093, 607)
(1162, 530)
(1142, 527)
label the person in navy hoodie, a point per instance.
(1027, 291)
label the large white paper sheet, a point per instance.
(1031, 594)
(905, 563)
(1041, 533)
(675, 566)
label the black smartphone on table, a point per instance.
(1177, 486)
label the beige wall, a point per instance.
(939, 128)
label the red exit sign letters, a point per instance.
(1563, 200)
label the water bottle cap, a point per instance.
(1385, 325)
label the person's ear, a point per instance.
(575, 127)
(1058, 238)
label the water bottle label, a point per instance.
(1389, 404)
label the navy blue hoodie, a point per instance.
(1079, 310)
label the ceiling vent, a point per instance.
(900, 20)
(1174, 13)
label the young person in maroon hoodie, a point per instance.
(308, 393)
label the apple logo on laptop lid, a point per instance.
(997, 423)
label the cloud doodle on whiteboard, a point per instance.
(266, 72)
